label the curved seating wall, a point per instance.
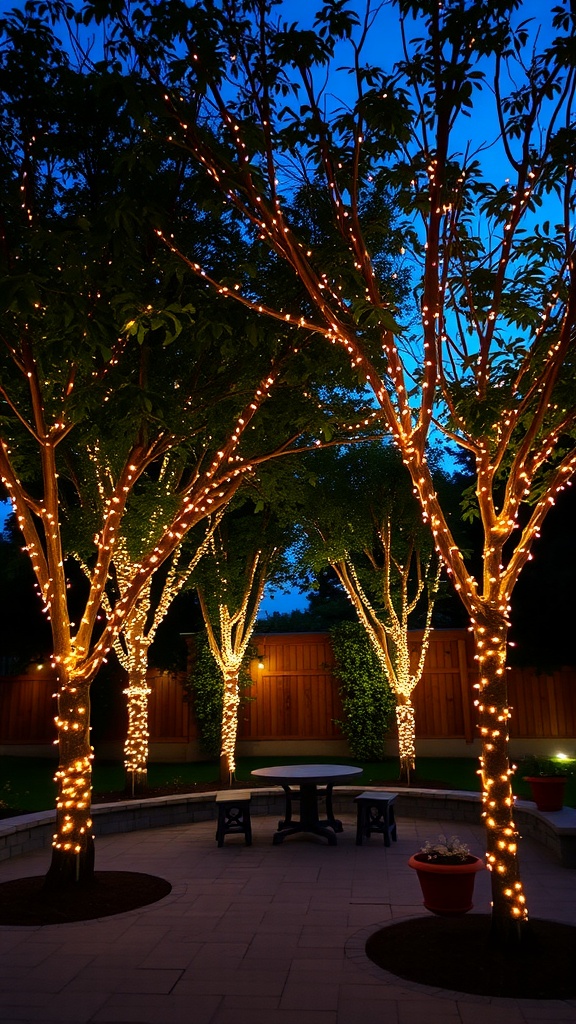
(556, 830)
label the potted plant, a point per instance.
(546, 777)
(446, 871)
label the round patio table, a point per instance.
(308, 777)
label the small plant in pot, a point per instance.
(546, 777)
(446, 871)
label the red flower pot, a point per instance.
(547, 791)
(447, 888)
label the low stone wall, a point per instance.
(555, 830)
(25, 833)
(28, 832)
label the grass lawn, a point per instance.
(26, 783)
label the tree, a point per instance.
(245, 551)
(361, 518)
(486, 354)
(108, 346)
(133, 643)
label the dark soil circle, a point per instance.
(456, 954)
(24, 901)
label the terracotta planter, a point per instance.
(547, 791)
(447, 888)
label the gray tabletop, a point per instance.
(321, 774)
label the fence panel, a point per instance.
(295, 695)
(27, 709)
(443, 699)
(543, 704)
(169, 715)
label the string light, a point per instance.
(409, 425)
(77, 655)
(229, 637)
(256, 199)
(495, 769)
(389, 635)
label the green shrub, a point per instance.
(367, 699)
(534, 765)
(204, 689)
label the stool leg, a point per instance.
(386, 817)
(393, 832)
(221, 825)
(359, 824)
(390, 834)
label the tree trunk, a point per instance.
(135, 783)
(136, 746)
(509, 912)
(73, 843)
(406, 736)
(226, 777)
(231, 700)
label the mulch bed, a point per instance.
(174, 788)
(24, 901)
(171, 789)
(456, 954)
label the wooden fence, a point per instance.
(295, 696)
(543, 705)
(27, 708)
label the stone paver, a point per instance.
(256, 935)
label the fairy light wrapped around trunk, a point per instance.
(230, 703)
(133, 644)
(135, 662)
(229, 650)
(502, 835)
(136, 745)
(229, 630)
(406, 722)
(73, 841)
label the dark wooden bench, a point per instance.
(375, 813)
(234, 815)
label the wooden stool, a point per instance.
(234, 815)
(376, 814)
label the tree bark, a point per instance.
(231, 700)
(406, 736)
(136, 745)
(509, 913)
(135, 783)
(226, 776)
(73, 842)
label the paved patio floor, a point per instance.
(257, 935)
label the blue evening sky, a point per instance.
(383, 47)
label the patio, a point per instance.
(250, 935)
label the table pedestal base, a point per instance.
(309, 820)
